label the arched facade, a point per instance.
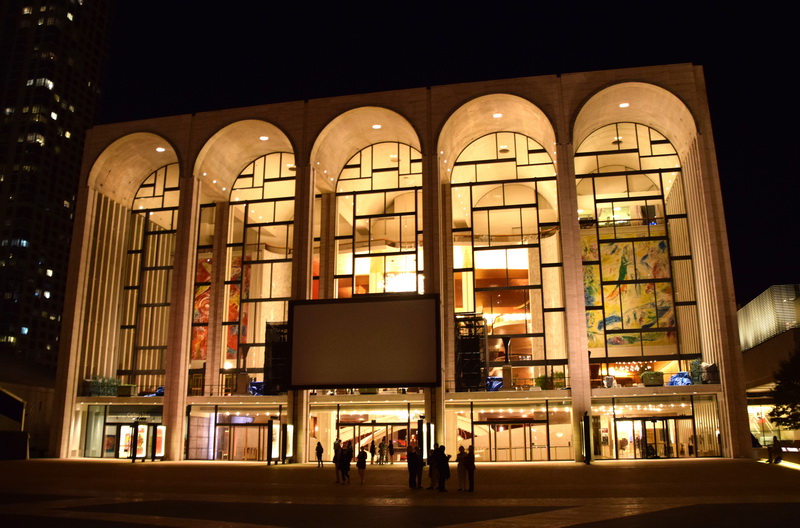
(569, 227)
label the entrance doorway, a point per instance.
(515, 441)
(655, 437)
(364, 433)
(143, 440)
(249, 442)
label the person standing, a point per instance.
(337, 458)
(381, 451)
(361, 463)
(345, 456)
(775, 451)
(444, 468)
(461, 467)
(319, 451)
(411, 460)
(391, 451)
(470, 464)
(372, 452)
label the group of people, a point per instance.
(438, 464)
(385, 452)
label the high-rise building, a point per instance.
(52, 53)
(536, 267)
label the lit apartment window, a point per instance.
(23, 330)
(35, 138)
(27, 10)
(41, 81)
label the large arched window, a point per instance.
(507, 254)
(638, 279)
(148, 279)
(379, 222)
(258, 276)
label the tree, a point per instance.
(786, 394)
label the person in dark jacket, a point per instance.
(319, 450)
(443, 461)
(470, 463)
(345, 456)
(361, 463)
(411, 460)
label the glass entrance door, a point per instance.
(363, 434)
(512, 441)
(655, 438)
(243, 442)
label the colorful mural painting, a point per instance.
(628, 290)
(202, 304)
(241, 282)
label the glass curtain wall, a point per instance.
(507, 263)
(663, 427)
(147, 280)
(258, 275)
(641, 312)
(378, 234)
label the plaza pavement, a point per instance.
(652, 493)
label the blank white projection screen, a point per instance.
(365, 343)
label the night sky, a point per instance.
(167, 60)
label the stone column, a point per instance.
(180, 319)
(577, 344)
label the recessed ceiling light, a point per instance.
(263, 138)
(376, 127)
(497, 115)
(624, 105)
(160, 149)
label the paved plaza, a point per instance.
(652, 493)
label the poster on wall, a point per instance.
(125, 432)
(141, 441)
(160, 432)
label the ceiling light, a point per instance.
(376, 127)
(263, 138)
(624, 105)
(160, 149)
(497, 115)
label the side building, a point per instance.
(570, 228)
(769, 329)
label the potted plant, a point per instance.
(696, 371)
(544, 382)
(653, 378)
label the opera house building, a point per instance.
(537, 267)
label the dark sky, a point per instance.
(167, 60)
